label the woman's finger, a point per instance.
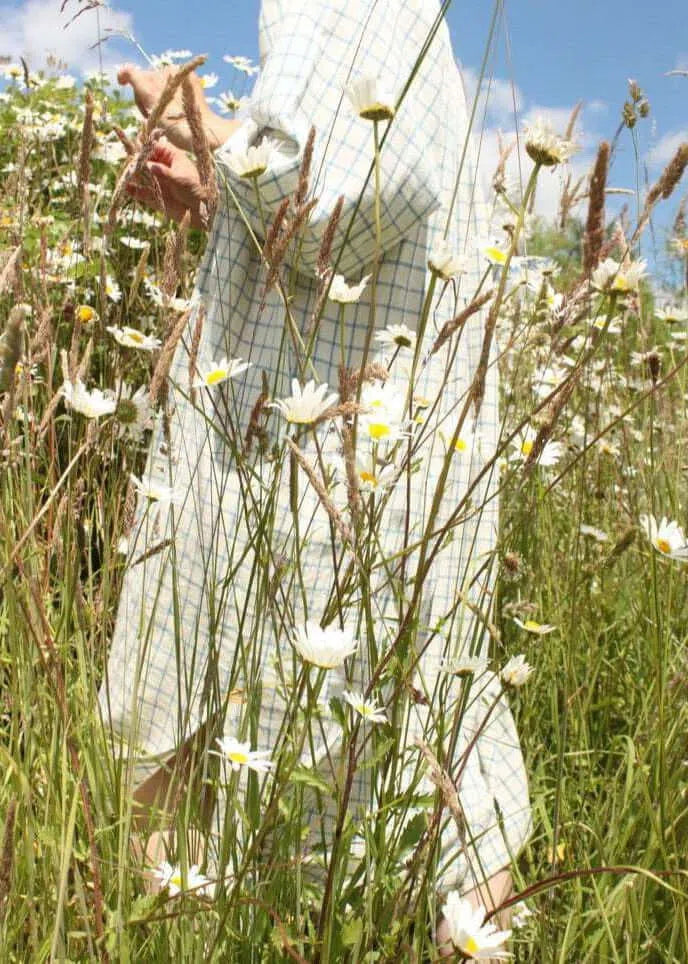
(162, 154)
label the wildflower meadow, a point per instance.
(582, 631)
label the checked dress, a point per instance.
(195, 573)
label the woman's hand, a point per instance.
(180, 186)
(148, 85)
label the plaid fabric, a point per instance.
(189, 606)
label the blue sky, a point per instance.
(548, 55)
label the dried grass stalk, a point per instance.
(125, 141)
(325, 500)
(139, 273)
(162, 368)
(594, 226)
(9, 270)
(133, 169)
(305, 170)
(274, 230)
(551, 417)
(7, 857)
(11, 347)
(454, 324)
(84, 165)
(499, 176)
(664, 187)
(570, 196)
(175, 246)
(325, 253)
(172, 85)
(347, 388)
(255, 429)
(573, 117)
(204, 157)
(320, 301)
(193, 353)
(42, 341)
(444, 783)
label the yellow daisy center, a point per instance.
(663, 545)
(471, 946)
(368, 477)
(377, 430)
(135, 336)
(237, 756)
(460, 445)
(532, 625)
(527, 448)
(176, 880)
(85, 314)
(217, 376)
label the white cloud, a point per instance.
(36, 29)
(499, 98)
(666, 147)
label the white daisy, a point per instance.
(371, 478)
(242, 64)
(156, 492)
(254, 161)
(546, 147)
(446, 262)
(343, 293)
(463, 666)
(397, 336)
(532, 626)
(469, 934)
(172, 879)
(325, 648)
(134, 413)
(133, 338)
(367, 709)
(382, 418)
(672, 314)
(599, 535)
(239, 754)
(618, 278)
(112, 289)
(136, 244)
(516, 671)
(667, 538)
(229, 102)
(92, 404)
(218, 372)
(306, 404)
(371, 99)
(523, 444)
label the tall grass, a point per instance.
(598, 379)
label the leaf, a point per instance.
(379, 753)
(351, 931)
(310, 778)
(413, 831)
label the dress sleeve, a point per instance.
(315, 50)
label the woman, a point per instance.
(189, 601)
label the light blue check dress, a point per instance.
(188, 600)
